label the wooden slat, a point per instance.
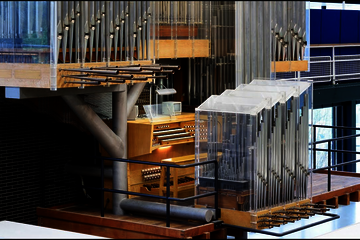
(184, 48)
(333, 201)
(27, 74)
(137, 147)
(181, 31)
(30, 75)
(34, 75)
(289, 66)
(235, 217)
(344, 199)
(355, 196)
(5, 73)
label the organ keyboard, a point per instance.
(144, 136)
(156, 142)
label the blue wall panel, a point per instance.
(315, 30)
(330, 28)
(349, 30)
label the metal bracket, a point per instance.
(218, 223)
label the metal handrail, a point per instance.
(167, 197)
(335, 139)
(333, 60)
(329, 150)
(327, 126)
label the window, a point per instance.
(358, 138)
(322, 116)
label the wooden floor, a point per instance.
(86, 219)
(345, 187)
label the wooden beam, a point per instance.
(333, 201)
(289, 66)
(32, 75)
(355, 196)
(344, 199)
(114, 226)
(184, 48)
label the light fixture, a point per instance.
(165, 91)
(164, 147)
(161, 92)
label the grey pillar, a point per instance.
(112, 143)
(133, 96)
(113, 140)
(119, 114)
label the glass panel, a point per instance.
(25, 32)
(250, 157)
(323, 116)
(358, 138)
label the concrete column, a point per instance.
(119, 113)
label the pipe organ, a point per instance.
(63, 36)
(259, 134)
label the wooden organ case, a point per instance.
(169, 141)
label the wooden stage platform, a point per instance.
(87, 220)
(345, 187)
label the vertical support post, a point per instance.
(119, 113)
(329, 164)
(333, 62)
(167, 196)
(218, 213)
(314, 146)
(102, 187)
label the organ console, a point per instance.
(168, 141)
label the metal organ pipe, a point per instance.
(159, 209)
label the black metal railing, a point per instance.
(329, 150)
(168, 166)
(330, 216)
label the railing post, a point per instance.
(329, 164)
(218, 213)
(102, 187)
(167, 196)
(314, 146)
(333, 60)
